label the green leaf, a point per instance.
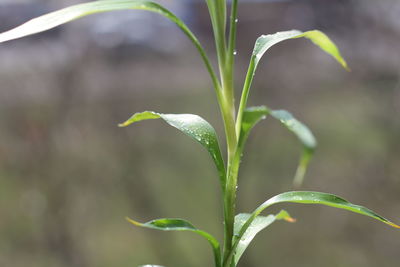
(305, 136)
(65, 15)
(150, 265)
(265, 42)
(306, 197)
(320, 39)
(193, 126)
(253, 115)
(181, 225)
(71, 13)
(256, 226)
(299, 129)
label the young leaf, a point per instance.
(304, 135)
(65, 15)
(181, 225)
(257, 225)
(253, 115)
(265, 42)
(306, 197)
(71, 13)
(193, 126)
(299, 129)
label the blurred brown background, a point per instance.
(69, 175)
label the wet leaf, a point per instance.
(256, 226)
(264, 42)
(167, 224)
(306, 197)
(252, 115)
(193, 126)
(71, 13)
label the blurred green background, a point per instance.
(69, 176)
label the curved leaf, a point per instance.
(193, 126)
(167, 224)
(299, 129)
(65, 15)
(306, 197)
(257, 225)
(253, 115)
(62, 16)
(264, 42)
(305, 136)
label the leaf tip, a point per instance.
(284, 215)
(133, 222)
(393, 225)
(124, 124)
(290, 219)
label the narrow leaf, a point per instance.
(306, 197)
(150, 265)
(253, 115)
(62, 16)
(257, 225)
(264, 42)
(181, 225)
(299, 129)
(305, 136)
(193, 126)
(320, 39)
(65, 15)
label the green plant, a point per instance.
(239, 230)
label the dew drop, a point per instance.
(235, 53)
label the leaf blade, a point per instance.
(193, 126)
(68, 14)
(264, 42)
(253, 115)
(259, 224)
(172, 224)
(309, 197)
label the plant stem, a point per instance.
(226, 100)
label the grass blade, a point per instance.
(168, 224)
(257, 225)
(65, 15)
(193, 126)
(265, 42)
(253, 115)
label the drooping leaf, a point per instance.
(193, 126)
(305, 136)
(257, 225)
(253, 115)
(65, 15)
(62, 16)
(167, 224)
(306, 197)
(265, 42)
(299, 129)
(320, 39)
